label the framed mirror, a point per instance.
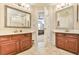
(65, 18)
(16, 18)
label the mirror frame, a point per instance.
(6, 20)
(58, 22)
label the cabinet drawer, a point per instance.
(5, 38)
(17, 37)
(72, 36)
(59, 34)
(59, 37)
(28, 35)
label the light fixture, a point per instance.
(62, 5)
(27, 5)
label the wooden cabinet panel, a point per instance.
(24, 41)
(9, 47)
(17, 37)
(68, 42)
(71, 44)
(5, 38)
(29, 35)
(13, 44)
(59, 35)
(25, 44)
(60, 42)
(71, 35)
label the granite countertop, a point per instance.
(66, 31)
(5, 33)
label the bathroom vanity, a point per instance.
(15, 29)
(68, 41)
(67, 29)
(15, 43)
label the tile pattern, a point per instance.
(45, 51)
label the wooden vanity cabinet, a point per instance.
(68, 42)
(71, 44)
(17, 38)
(13, 44)
(4, 38)
(60, 41)
(26, 43)
(8, 47)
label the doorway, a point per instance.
(41, 24)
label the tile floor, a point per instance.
(45, 51)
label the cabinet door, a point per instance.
(9, 47)
(17, 37)
(71, 44)
(28, 36)
(26, 41)
(25, 44)
(60, 41)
